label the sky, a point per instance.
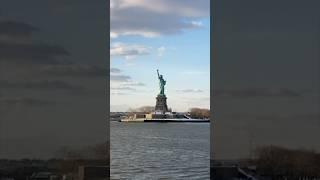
(170, 35)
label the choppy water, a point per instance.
(160, 151)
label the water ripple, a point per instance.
(159, 151)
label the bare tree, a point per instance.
(199, 113)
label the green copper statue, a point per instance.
(162, 83)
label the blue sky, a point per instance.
(176, 42)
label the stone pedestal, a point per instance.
(161, 104)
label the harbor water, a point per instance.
(160, 150)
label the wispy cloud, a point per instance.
(45, 84)
(135, 84)
(161, 51)
(116, 77)
(123, 88)
(128, 51)
(119, 78)
(121, 84)
(197, 23)
(74, 70)
(119, 93)
(115, 70)
(189, 90)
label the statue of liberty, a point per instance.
(162, 83)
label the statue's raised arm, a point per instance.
(162, 83)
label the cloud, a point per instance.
(156, 17)
(135, 84)
(123, 88)
(190, 91)
(161, 50)
(258, 92)
(127, 86)
(115, 70)
(17, 45)
(120, 84)
(119, 78)
(45, 84)
(25, 101)
(119, 93)
(128, 51)
(197, 23)
(74, 70)
(31, 52)
(16, 29)
(113, 35)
